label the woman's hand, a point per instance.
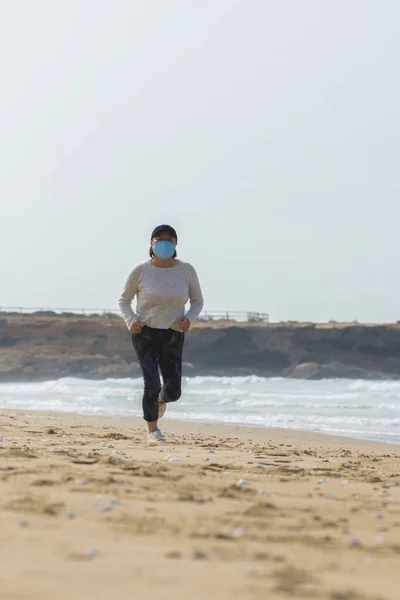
(184, 324)
(136, 326)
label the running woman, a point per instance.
(162, 286)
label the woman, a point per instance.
(162, 287)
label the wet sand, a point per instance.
(87, 510)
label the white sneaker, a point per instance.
(156, 437)
(162, 407)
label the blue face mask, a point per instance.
(164, 249)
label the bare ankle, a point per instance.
(153, 425)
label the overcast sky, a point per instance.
(267, 132)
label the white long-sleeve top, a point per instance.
(161, 295)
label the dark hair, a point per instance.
(151, 253)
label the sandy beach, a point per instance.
(87, 510)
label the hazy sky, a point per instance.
(267, 132)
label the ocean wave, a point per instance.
(368, 409)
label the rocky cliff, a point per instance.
(37, 347)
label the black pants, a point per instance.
(159, 349)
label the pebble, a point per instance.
(355, 543)
(115, 502)
(105, 508)
(259, 467)
(23, 524)
(243, 482)
(379, 517)
(264, 492)
(174, 460)
(119, 452)
(227, 473)
(323, 481)
(70, 515)
(198, 555)
(238, 532)
(1, 439)
(211, 452)
(80, 481)
(93, 552)
(102, 444)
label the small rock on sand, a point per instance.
(199, 555)
(23, 524)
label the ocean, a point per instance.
(358, 409)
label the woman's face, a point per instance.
(163, 246)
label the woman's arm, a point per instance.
(127, 295)
(195, 297)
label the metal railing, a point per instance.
(230, 315)
(208, 315)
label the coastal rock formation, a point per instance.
(34, 347)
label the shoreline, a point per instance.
(197, 425)
(88, 509)
(178, 427)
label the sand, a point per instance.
(87, 510)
